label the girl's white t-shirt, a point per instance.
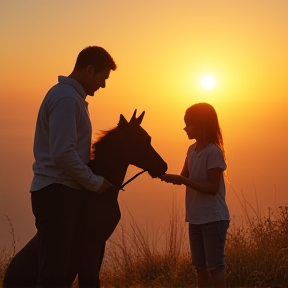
(200, 207)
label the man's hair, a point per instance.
(96, 56)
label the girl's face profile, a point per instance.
(191, 130)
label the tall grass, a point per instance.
(136, 257)
(7, 253)
(256, 252)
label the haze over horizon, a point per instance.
(162, 50)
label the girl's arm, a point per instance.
(185, 171)
(210, 187)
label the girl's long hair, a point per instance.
(204, 116)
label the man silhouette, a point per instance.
(62, 151)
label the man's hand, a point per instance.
(172, 178)
(105, 187)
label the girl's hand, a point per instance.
(172, 178)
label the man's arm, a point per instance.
(63, 142)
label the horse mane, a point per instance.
(104, 136)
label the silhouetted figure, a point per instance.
(206, 209)
(62, 178)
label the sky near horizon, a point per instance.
(162, 49)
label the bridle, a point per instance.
(117, 188)
(132, 178)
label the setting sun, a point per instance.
(208, 82)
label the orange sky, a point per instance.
(162, 49)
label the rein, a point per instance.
(132, 178)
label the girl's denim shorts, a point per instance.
(207, 243)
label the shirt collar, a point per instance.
(76, 85)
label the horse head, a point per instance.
(126, 144)
(139, 150)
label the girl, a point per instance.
(206, 209)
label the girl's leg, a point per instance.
(218, 279)
(214, 236)
(198, 255)
(203, 278)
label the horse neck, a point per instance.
(109, 163)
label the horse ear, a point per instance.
(133, 118)
(136, 121)
(140, 118)
(122, 121)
